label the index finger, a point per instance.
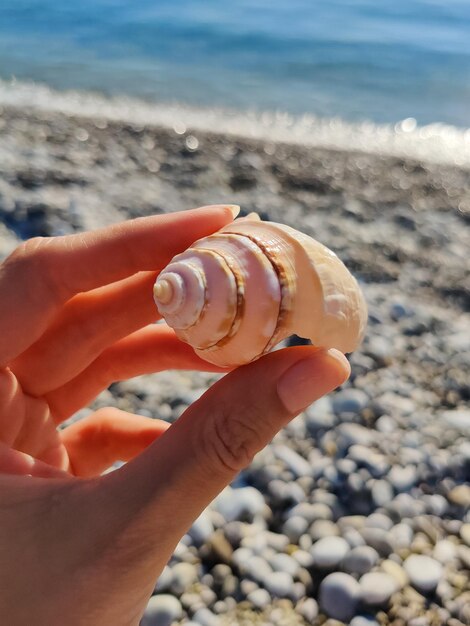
(44, 273)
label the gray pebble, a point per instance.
(323, 528)
(349, 434)
(312, 511)
(465, 533)
(381, 492)
(183, 576)
(375, 462)
(402, 478)
(308, 609)
(458, 418)
(360, 560)
(350, 401)
(240, 504)
(364, 620)
(328, 552)
(423, 571)
(162, 610)
(444, 551)
(303, 558)
(294, 527)
(294, 462)
(259, 598)
(354, 538)
(279, 584)
(284, 563)
(204, 617)
(164, 580)
(377, 588)
(202, 528)
(378, 539)
(401, 536)
(378, 520)
(339, 596)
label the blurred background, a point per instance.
(355, 59)
(350, 121)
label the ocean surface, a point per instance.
(388, 77)
(354, 59)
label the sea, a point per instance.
(381, 75)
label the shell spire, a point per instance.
(237, 293)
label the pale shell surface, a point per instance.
(236, 294)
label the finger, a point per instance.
(109, 435)
(88, 324)
(152, 349)
(20, 463)
(43, 273)
(178, 475)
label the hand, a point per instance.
(76, 314)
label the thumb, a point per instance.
(179, 474)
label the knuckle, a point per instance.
(232, 438)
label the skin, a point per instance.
(76, 314)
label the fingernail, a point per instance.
(311, 378)
(234, 208)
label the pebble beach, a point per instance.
(359, 511)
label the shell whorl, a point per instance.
(234, 295)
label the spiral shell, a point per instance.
(237, 293)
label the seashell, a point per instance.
(236, 294)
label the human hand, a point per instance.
(76, 314)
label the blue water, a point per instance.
(356, 59)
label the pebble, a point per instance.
(444, 551)
(396, 571)
(294, 462)
(459, 418)
(183, 576)
(204, 617)
(164, 580)
(348, 434)
(162, 610)
(465, 533)
(294, 527)
(350, 401)
(402, 478)
(323, 528)
(328, 552)
(339, 596)
(308, 609)
(378, 520)
(284, 563)
(363, 620)
(423, 571)
(360, 560)
(401, 536)
(244, 503)
(378, 539)
(303, 558)
(377, 588)
(279, 584)
(312, 511)
(375, 462)
(381, 492)
(259, 598)
(202, 528)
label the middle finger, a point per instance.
(86, 325)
